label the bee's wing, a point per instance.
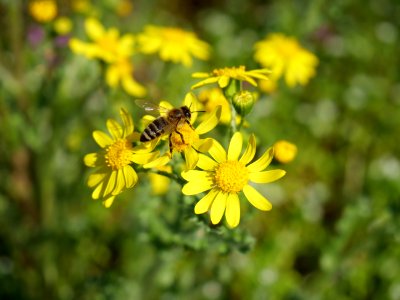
(150, 106)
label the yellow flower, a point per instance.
(107, 44)
(159, 183)
(225, 175)
(81, 6)
(224, 76)
(114, 173)
(43, 11)
(121, 71)
(186, 139)
(285, 151)
(211, 98)
(124, 8)
(287, 58)
(63, 25)
(173, 44)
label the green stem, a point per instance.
(172, 176)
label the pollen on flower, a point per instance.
(230, 72)
(119, 154)
(185, 137)
(231, 176)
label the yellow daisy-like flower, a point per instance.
(63, 25)
(225, 175)
(186, 139)
(285, 151)
(107, 44)
(225, 75)
(121, 71)
(287, 58)
(43, 11)
(211, 98)
(173, 44)
(114, 172)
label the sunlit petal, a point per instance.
(128, 122)
(130, 176)
(235, 146)
(250, 151)
(209, 123)
(266, 176)
(232, 213)
(102, 139)
(256, 199)
(111, 183)
(94, 29)
(262, 162)
(115, 129)
(218, 207)
(109, 201)
(191, 158)
(120, 182)
(144, 158)
(204, 204)
(160, 161)
(206, 163)
(217, 152)
(91, 160)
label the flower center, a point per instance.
(233, 72)
(108, 43)
(124, 67)
(288, 47)
(174, 35)
(119, 154)
(186, 137)
(231, 176)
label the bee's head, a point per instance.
(186, 112)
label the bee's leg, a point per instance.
(170, 145)
(188, 122)
(181, 135)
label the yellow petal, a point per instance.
(130, 176)
(128, 122)
(204, 82)
(97, 177)
(218, 207)
(91, 160)
(203, 145)
(200, 75)
(232, 213)
(113, 76)
(209, 123)
(256, 199)
(235, 146)
(102, 139)
(191, 158)
(144, 158)
(190, 101)
(98, 190)
(115, 129)
(94, 29)
(206, 163)
(250, 151)
(160, 161)
(109, 201)
(111, 183)
(120, 182)
(266, 176)
(262, 162)
(223, 81)
(132, 87)
(217, 152)
(199, 181)
(204, 204)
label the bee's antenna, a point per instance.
(198, 111)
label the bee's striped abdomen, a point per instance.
(153, 130)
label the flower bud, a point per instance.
(243, 102)
(284, 151)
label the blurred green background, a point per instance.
(334, 231)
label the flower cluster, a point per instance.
(222, 176)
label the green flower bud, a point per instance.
(243, 102)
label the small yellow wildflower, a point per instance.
(63, 25)
(225, 175)
(43, 11)
(173, 44)
(211, 98)
(107, 44)
(225, 75)
(81, 6)
(114, 173)
(121, 71)
(285, 151)
(287, 58)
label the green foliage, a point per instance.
(333, 232)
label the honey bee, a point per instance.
(163, 125)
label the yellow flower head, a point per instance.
(225, 175)
(186, 139)
(121, 71)
(107, 44)
(211, 98)
(160, 183)
(63, 25)
(287, 58)
(224, 76)
(81, 6)
(173, 44)
(114, 172)
(285, 151)
(43, 11)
